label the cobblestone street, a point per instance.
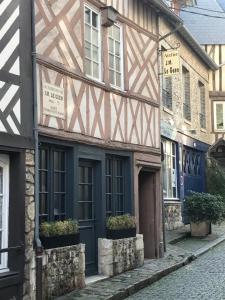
(202, 279)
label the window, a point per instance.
(92, 43)
(86, 203)
(115, 55)
(115, 186)
(169, 170)
(4, 207)
(202, 105)
(191, 162)
(167, 92)
(52, 184)
(186, 94)
(219, 116)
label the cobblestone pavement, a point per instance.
(202, 279)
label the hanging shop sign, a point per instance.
(171, 63)
(53, 101)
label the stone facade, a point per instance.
(29, 272)
(118, 256)
(63, 270)
(173, 217)
(198, 72)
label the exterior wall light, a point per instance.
(109, 16)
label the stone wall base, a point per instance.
(173, 217)
(118, 256)
(63, 270)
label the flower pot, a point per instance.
(60, 240)
(115, 234)
(200, 229)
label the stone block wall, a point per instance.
(118, 256)
(63, 270)
(173, 217)
(29, 272)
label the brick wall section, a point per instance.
(29, 273)
(63, 270)
(118, 256)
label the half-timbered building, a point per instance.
(16, 144)
(98, 114)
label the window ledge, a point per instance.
(187, 122)
(203, 130)
(171, 201)
(168, 110)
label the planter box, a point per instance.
(63, 270)
(120, 255)
(200, 229)
(115, 234)
(52, 242)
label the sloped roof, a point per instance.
(207, 30)
(183, 31)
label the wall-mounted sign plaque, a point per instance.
(53, 101)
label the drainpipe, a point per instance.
(38, 246)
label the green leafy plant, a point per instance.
(215, 178)
(202, 207)
(56, 228)
(121, 222)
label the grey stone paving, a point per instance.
(202, 279)
(120, 286)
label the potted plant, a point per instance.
(120, 227)
(202, 210)
(59, 234)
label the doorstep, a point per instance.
(94, 279)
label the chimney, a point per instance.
(176, 6)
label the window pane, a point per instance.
(88, 50)
(95, 37)
(118, 64)
(117, 48)
(43, 209)
(87, 33)
(95, 53)
(59, 161)
(111, 77)
(111, 45)
(116, 33)
(118, 79)
(111, 61)
(219, 116)
(85, 211)
(94, 19)
(59, 204)
(43, 187)
(88, 67)
(87, 15)
(95, 70)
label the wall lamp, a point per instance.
(109, 16)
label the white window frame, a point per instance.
(121, 57)
(99, 79)
(166, 155)
(215, 118)
(4, 163)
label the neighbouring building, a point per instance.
(185, 119)
(16, 150)
(210, 34)
(98, 114)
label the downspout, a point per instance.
(38, 246)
